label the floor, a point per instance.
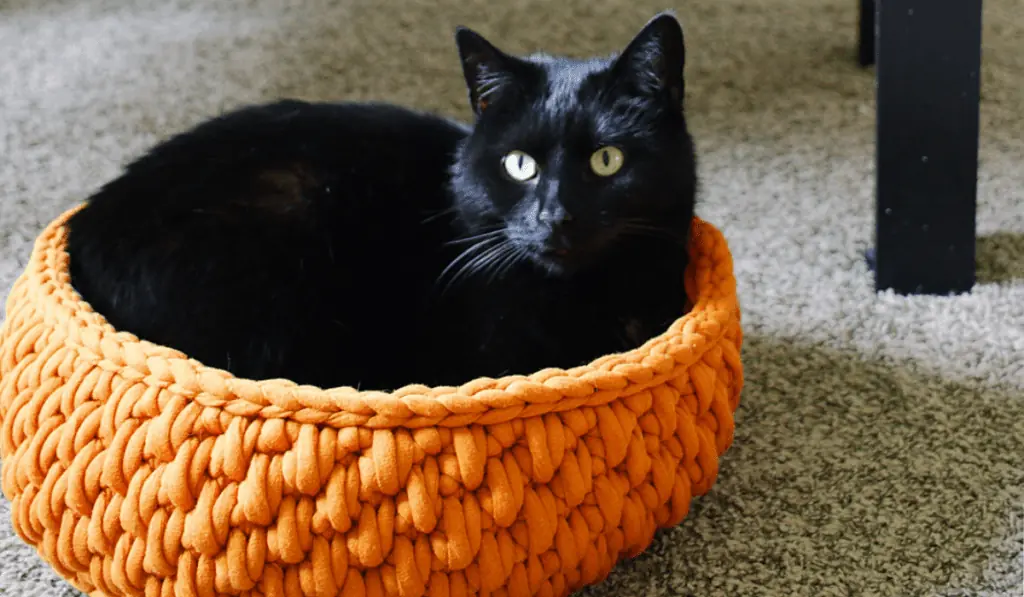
(880, 440)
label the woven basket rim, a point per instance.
(45, 287)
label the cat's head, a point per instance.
(571, 158)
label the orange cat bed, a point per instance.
(136, 471)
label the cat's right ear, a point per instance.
(654, 60)
(488, 70)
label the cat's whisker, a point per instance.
(475, 237)
(643, 229)
(457, 267)
(459, 261)
(437, 215)
(507, 261)
(498, 261)
(494, 259)
(494, 264)
(474, 264)
(518, 255)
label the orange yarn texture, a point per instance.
(137, 471)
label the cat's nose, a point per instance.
(556, 228)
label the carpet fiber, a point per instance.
(880, 439)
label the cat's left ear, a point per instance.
(488, 70)
(654, 60)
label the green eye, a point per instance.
(520, 166)
(606, 161)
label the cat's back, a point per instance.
(290, 141)
(252, 240)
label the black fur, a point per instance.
(371, 245)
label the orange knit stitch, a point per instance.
(137, 471)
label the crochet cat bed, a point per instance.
(137, 471)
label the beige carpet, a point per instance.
(880, 440)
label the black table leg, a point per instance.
(866, 36)
(928, 63)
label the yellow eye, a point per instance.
(606, 161)
(519, 166)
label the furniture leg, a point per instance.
(928, 91)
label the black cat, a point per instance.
(374, 246)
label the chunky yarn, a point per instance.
(134, 470)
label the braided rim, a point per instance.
(44, 292)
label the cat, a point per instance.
(373, 245)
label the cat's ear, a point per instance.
(488, 70)
(653, 61)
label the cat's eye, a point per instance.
(520, 166)
(606, 161)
